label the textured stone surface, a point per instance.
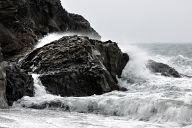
(3, 100)
(19, 83)
(77, 66)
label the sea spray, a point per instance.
(48, 39)
(56, 36)
(39, 88)
(136, 69)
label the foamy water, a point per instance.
(26, 118)
(152, 101)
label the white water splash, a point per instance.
(49, 38)
(136, 68)
(56, 36)
(39, 88)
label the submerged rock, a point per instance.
(19, 84)
(163, 69)
(77, 66)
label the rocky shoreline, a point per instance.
(23, 23)
(71, 66)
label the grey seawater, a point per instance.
(176, 55)
(168, 49)
(153, 101)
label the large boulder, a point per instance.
(163, 69)
(19, 83)
(77, 66)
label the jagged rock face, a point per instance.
(19, 84)
(28, 20)
(3, 100)
(8, 42)
(77, 66)
(163, 69)
(111, 56)
(8, 10)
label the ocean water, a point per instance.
(152, 101)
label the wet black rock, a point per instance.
(19, 83)
(163, 69)
(77, 66)
(111, 56)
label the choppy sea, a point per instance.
(152, 100)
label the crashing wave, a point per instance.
(150, 97)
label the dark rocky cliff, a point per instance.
(23, 22)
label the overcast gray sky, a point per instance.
(137, 20)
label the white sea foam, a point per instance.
(136, 68)
(26, 118)
(39, 88)
(48, 39)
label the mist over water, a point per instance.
(152, 100)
